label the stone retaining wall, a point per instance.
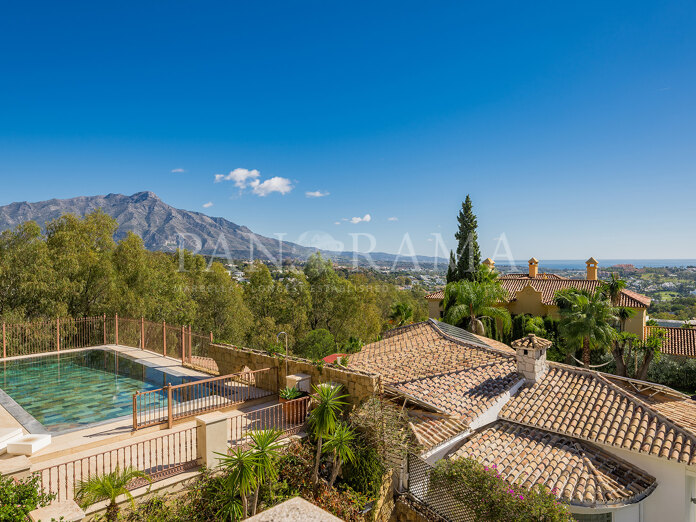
(232, 359)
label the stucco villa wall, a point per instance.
(231, 359)
(435, 309)
(636, 324)
(670, 500)
(528, 301)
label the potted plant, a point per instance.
(292, 408)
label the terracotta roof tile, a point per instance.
(549, 284)
(549, 287)
(420, 350)
(586, 405)
(581, 473)
(432, 429)
(678, 341)
(465, 393)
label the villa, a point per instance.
(615, 449)
(533, 293)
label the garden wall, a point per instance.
(232, 359)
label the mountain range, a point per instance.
(163, 227)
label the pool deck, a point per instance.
(109, 434)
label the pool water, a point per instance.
(72, 390)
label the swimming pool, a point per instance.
(68, 391)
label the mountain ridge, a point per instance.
(164, 227)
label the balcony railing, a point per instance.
(165, 405)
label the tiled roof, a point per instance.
(432, 429)
(675, 405)
(549, 284)
(438, 295)
(585, 405)
(581, 473)
(526, 276)
(549, 287)
(465, 393)
(420, 350)
(678, 341)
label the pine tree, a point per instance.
(468, 253)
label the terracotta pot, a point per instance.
(294, 410)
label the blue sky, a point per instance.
(571, 126)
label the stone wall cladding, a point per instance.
(358, 385)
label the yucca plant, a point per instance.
(241, 466)
(109, 487)
(324, 417)
(340, 443)
(265, 446)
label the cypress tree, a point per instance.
(468, 253)
(452, 269)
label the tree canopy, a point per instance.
(75, 268)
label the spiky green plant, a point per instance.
(241, 466)
(108, 486)
(340, 444)
(324, 417)
(266, 448)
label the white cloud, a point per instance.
(208, 204)
(337, 222)
(274, 184)
(245, 178)
(242, 177)
(365, 219)
(393, 219)
(178, 170)
(316, 194)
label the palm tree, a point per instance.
(265, 445)
(401, 313)
(109, 487)
(340, 443)
(588, 322)
(468, 301)
(613, 288)
(324, 417)
(242, 470)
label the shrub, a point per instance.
(295, 478)
(19, 497)
(316, 344)
(490, 498)
(365, 474)
(676, 372)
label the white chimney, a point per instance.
(531, 357)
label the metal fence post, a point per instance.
(142, 333)
(135, 411)
(164, 338)
(190, 343)
(4, 344)
(170, 420)
(104, 326)
(183, 346)
(58, 334)
(116, 327)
